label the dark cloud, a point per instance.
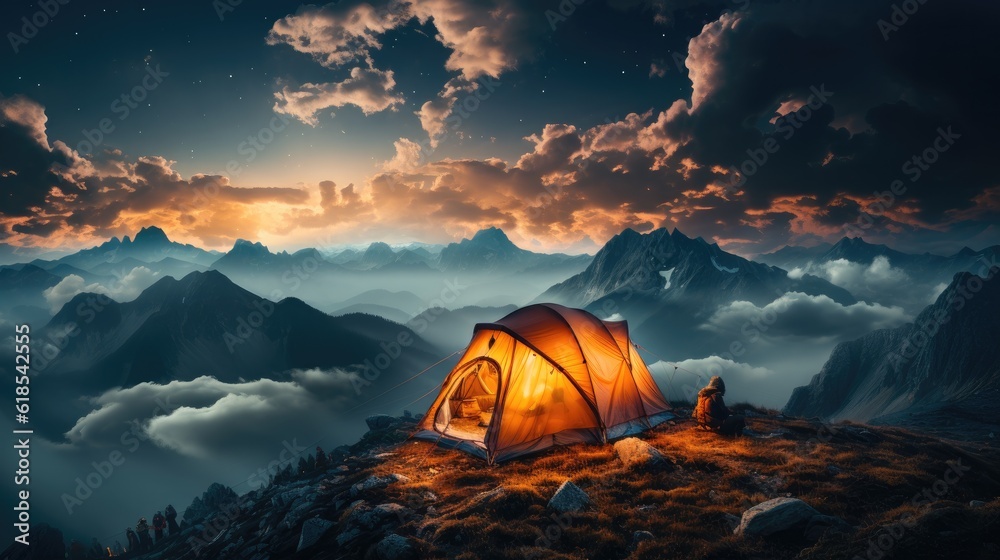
(26, 160)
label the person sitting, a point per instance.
(713, 414)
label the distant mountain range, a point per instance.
(203, 324)
(940, 372)
(490, 250)
(150, 245)
(859, 251)
(668, 285)
(668, 266)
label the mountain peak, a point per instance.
(493, 234)
(244, 246)
(852, 242)
(378, 247)
(151, 235)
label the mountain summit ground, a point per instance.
(828, 491)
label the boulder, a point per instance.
(634, 452)
(312, 530)
(977, 503)
(286, 498)
(379, 421)
(569, 498)
(775, 516)
(297, 513)
(373, 482)
(364, 518)
(394, 547)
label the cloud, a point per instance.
(670, 165)
(485, 39)
(26, 114)
(705, 69)
(369, 89)
(800, 316)
(122, 289)
(54, 192)
(67, 288)
(339, 33)
(407, 158)
(860, 279)
(29, 166)
(433, 115)
(208, 419)
(878, 281)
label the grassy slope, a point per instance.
(879, 472)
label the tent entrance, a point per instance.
(467, 411)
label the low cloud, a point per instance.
(859, 279)
(126, 288)
(209, 419)
(800, 316)
(879, 282)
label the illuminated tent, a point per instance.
(544, 375)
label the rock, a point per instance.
(489, 496)
(297, 513)
(286, 498)
(635, 452)
(833, 470)
(312, 530)
(775, 516)
(569, 498)
(820, 525)
(373, 482)
(640, 536)
(394, 547)
(977, 503)
(731, 521)
(379, 421)
(364, 518)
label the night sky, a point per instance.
(352, 122)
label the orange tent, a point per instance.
(544, 375)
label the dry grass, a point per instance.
(866, 478)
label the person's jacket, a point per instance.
(711, 410)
